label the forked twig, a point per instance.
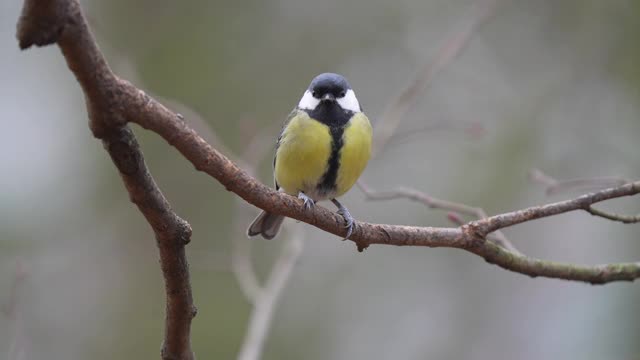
(554, 186)
(434, 203)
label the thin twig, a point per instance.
(267, 299)
(453, 45)
(554, 186)
(626, 219)
(433, 203)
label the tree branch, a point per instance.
(554, 186)
(47, 21)
(433, 203)
(172, 234)
(583, 202)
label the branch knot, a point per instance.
(474, 234)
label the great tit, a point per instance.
(322, 149)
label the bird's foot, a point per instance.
(308, 202)
(349, 220)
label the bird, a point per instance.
(323, 148)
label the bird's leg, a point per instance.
(308, 202)
(342, 210)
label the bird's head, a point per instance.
(330, 89)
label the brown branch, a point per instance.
(172, 234)
(47, 21)
(433, 203)
(555, 186)
(583, 202)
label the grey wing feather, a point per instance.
(292, 114)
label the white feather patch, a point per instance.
(308, 102)
(349, 101)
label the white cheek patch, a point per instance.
(349, 101)
(308, 102)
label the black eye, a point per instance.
(342, 94)
(314, 94)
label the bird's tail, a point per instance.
(266, 224)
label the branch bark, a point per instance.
(455, 208)
(45, 22)
(554, 186)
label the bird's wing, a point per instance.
(292, 114)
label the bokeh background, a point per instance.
(547, 84)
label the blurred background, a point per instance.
(547, 84)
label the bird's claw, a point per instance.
(308, 202)
(350, 221)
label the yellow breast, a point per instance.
(355, 152)
(303, 154)
(302, 158)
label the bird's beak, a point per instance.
(328, 97)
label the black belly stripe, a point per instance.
(328, 182)
(336, 118)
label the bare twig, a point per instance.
(626, 219)
(61, 21)
(267, 299)
(453, 45)
(433, 203)
(554, 186)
